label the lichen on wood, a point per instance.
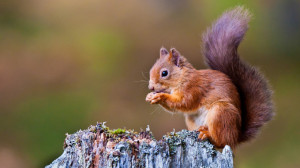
(98, 146)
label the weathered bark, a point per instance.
(98, 146)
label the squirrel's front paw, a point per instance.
(154, 98)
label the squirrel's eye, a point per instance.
(164, 73)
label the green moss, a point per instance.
(117, 131)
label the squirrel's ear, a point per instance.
(174, 56)
(163, 52)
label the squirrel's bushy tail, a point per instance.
(220, 45)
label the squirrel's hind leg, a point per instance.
(224, 124)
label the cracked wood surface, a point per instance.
(98, 146)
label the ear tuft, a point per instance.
(175, 56)
(163, 52)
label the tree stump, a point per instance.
(98, 146)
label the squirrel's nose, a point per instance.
(151, 87)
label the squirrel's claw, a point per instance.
(149, 96)
(153, 97)
(204, 134)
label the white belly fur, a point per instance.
(198, 118)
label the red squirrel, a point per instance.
(228, 103)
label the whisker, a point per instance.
(157, 108)
(141, 81)
(143, 75)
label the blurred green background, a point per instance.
(66, 64)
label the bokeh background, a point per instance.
(66, 64)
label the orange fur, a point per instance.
(224, 124)
(195, 89)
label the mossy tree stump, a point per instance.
(98, 146)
